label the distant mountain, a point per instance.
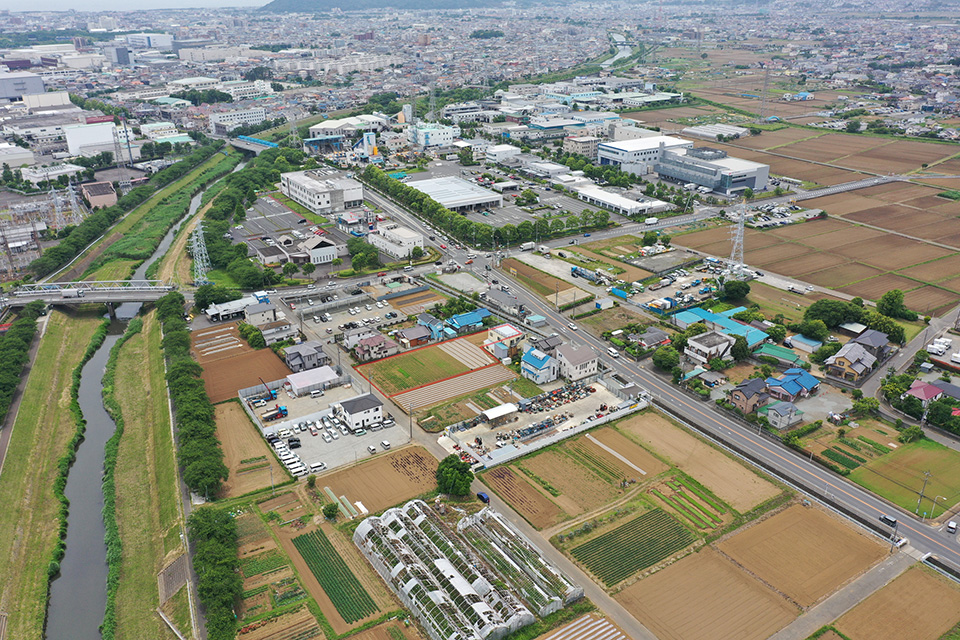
(309, 6)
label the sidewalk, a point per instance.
(846, 598)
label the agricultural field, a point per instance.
(537, 281)
(386, 480)
(244, 452)
(413, 369)
(803, 552)
(920, 605)
(230, 364)
(538, 509)
(692, 504)
(588, 627)
(703, 597)
(898, 475)
(346, 593)
(633, 546)
(610, 320)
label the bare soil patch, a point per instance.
(630, 450)
(293, 624)
(769, 139)
(389, 631)
(785, 251)
(815, 261)
(936, 270)
(733, 483)
(893, 252)
(918, 605)
(837, 240)
(839, 276)
(840, 204)
(807, 229)
(699, 239)
(874, 288)
(930, 300)
(539, 510)
(539, 277)
(241, 441)
(705, 597)
(386, 480)
(803, 552)
(610, 320)
(831, 146)
(224, 378)
(580, 490)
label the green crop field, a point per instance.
(633, 546)
(338, 582)
(898, 476)
(413, 369)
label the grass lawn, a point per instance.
(221, 277)
(413, 369)
(773, 301)
(299, 209)
(454, 411)
(526, 388)
(28, 518)
(113, 270)
(898, 476)
(146, 482)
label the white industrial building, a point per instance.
(713, 169)
(429, 134)
(36, 175)
(198, 83)
(161, 41)
(638, 156)
(243, 90)
(349, 126)
(395, 240)
(596, 196)
(222, 123)
(321, 194)
(14, 156)
(712, 131)
(320, 250)
(159, 130)
(500, 152)
(456, 194)
(16, 84)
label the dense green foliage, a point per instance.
(219, 585)
(204, 96)
(666, 358)
(735, 290)
(486, 34)
(891, 305)
(14, 349)
(252, 335)
(346, 593)
(454, 476)
(208, 294)
(199, 450)
(836, 312)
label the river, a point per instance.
(78, 596)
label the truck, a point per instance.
(690, 186)
(528, 246)
(651, 221)
(586, 274)
(71, 293)
(274, 414)
(544, 249)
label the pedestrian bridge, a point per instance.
(110, 292)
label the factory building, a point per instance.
(713, 169)
(638, 156)
(321, 194)
(222, 123)
(457, 195)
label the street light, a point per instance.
(933, 511)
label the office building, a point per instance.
(117, 54)
(222, 123)
(582, 146)
(161, 41)
(638, 156)
(713, 169)
(242, 90)
(500, 152)
(395, 241)
(428, 134)
(321, 194)
(199, 83)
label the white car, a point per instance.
(327, 438)
(572, 326)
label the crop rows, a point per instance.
(262, 563)
(840, 458)
(633, 546)
(879, 448)
(346, 593)
(579, 452)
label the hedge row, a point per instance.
(14, 347)
(112, 536)
(199, 451)
(98, 222)
(219, 585)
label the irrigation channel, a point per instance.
(78, 596)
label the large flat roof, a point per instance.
(453, 192)
(640, 144)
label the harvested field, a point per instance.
(930, 300)
(835, 277)
(580, 490)
(540, 282)
(893, 252)
(386, 480)
(432, 394)
(884, 214)
(413, 369)
(217, 343)
(769, 139)
(830, 147)
(835, 240)
(936, 270)
(392, 630)
(953, 284)
(899, 156)
(705, 597)
(919, 605)
(539, 510)
(803, 552)
(840, 204)
(785, 251)
(947, 232)
(807, 229)
(699, 239)
(241, 441)
(223, 378)
(588, 627)
(416, 302)
(630, 451)
(873, 288)
(806, 264)
(728, 480)
(298, 623)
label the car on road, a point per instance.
(572, 326)
(438, 263)
(468, 262)
(483, 497)
(952, 527)
(586, 235)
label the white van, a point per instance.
(951, 527)
(613, 352)
(317, 466)
(316, 393)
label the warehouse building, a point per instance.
(223, 123)
(596, 196)
(458, 195)
(713, 169)
(321, 194)
(16, 84)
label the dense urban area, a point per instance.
(480, 321)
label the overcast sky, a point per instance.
(126, 5)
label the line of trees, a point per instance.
(219, 586)
(14, 349)
(199, 450)
(836, 312)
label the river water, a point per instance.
(78, 596)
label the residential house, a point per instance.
(792, 384)
(537, 366)
(749, 395)
(781, 415)
(306, 355)
(503, 340)
(352, 336)
(360, 411)
(469, 321)
(576, 363)
(413, 336)
(278, 331)
(924, 391)
(949, 390)
(505, 302)
(852, 362)
(722, 322)
(261, 313)
(548, 345)
(652, 337)
(438, 331)
(705, 347)
(376, 347)
(877, 343)
(782, 354)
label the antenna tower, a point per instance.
(294, 134)
(201, 261)
(59, 221)
(736, 237)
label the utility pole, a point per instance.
(926, 477)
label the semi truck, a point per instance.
(528, 246)
(274, 414)
(71, 293)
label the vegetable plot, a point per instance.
(338, 582)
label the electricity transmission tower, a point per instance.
(201, 261)
(123, 177)
(737, 268)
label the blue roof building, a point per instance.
(794, 383)
(720, 322)
(469, 320)
(537, 366)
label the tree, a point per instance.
(910, 434)
(666, 358)
(649, 238)
(740, 350)
(891, 305)
(417, 253)
(865, 406)
(331, 510)
(208, 294)
(289, 269)
(777, 332)
(309, 268)
(454, 476)
(853, 126)
(337, 262)
(813, 329)
(735, 290)
(359, 261)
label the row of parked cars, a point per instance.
(291, 460)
